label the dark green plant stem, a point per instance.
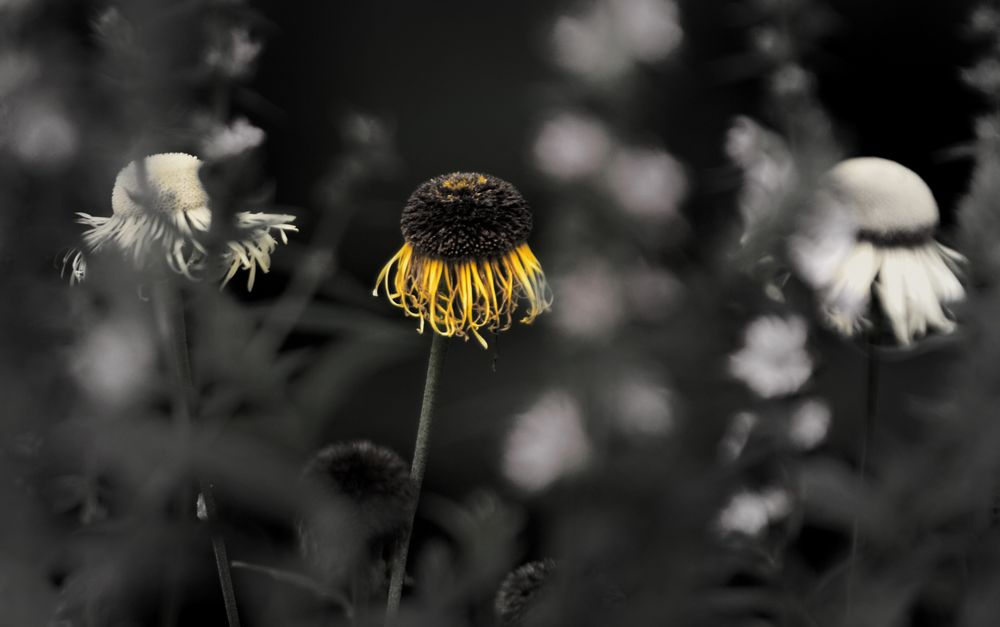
(221, 556)
(871, 409)
(173, 327)
(438, 345)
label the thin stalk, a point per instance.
(222, 564)
(871, 408)
(438, 345)
(173, 326)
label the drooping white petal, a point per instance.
(161, 212)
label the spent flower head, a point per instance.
(373, 477)
(161, 213)
(465, 264)
(894, 255)
(372, 486)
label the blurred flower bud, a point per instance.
(375, 479)
(348, 537)
(520, 591)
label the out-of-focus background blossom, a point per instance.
(680, 434)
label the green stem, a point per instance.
(871, 408)
(222, 563)
(438, 345)
(173, 326)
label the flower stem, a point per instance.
(222, 563)
(871, 408)
(173, 328)
(438, 345)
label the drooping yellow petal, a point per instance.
(462, 298)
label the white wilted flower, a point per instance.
(648, 183)
(893, 252)
(809, 424)
(547, 442)
(232, 139)
(235, 54)
(773, 361)
(749, 513)
(160, 212)
(571, 146)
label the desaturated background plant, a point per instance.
(684, 439)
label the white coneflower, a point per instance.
(163, 209)
(893, 253)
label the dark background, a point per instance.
(465, 86)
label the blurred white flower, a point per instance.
(749, 513)
(591, 302)
(649, 29)
(235, 54)
(651, 293)
(571, 146)
(809, 424)
(114, 361)
(547, 442)
(773, 361)
(586, 46)
(768, 170)
(647, 183)
(232, 139)
(790, 80)
(605, 41)
(737, 435)
(985, 20)
(893, 253)
(16, 69)
(41, 134)
(162, 211)
(641, 407)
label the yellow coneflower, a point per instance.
(465, 263)
(162, 209)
